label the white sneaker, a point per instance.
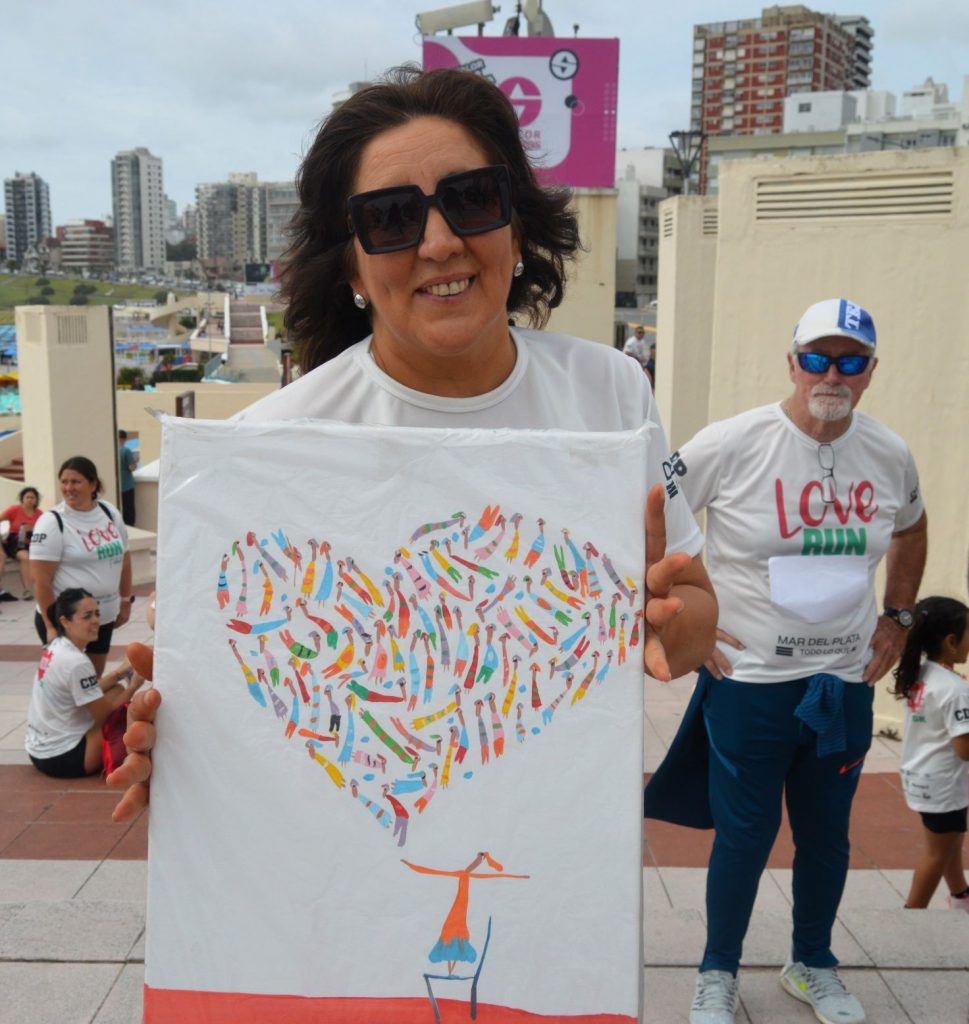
(958, 902)
(822, 989)
(715, 999)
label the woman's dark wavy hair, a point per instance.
(935, 619)
(321, 315)
(83, 465)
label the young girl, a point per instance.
(936, 744)
(69, 702)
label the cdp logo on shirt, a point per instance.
(88, 681)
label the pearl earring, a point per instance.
(359, 301)
(519, 269)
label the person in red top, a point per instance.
(21, 518)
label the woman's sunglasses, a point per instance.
(848, 366)
(472, 202)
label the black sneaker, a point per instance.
(5, 595)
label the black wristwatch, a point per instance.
(902, 616)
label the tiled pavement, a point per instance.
(72, 891)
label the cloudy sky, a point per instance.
(213, 87)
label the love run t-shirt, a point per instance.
(64, 684)
(89, 552)
(795, 574)
(935, 778)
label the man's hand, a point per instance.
(718, 664)
(139, 739)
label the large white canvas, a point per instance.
(266, 875)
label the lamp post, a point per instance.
(687, 146)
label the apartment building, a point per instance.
(26, 203)
(87, 246)
(138, 200)
(744, 70)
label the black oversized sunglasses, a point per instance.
(472, 202)
(817, 362)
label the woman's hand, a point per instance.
(681, 608)
(718, 664)
(124, 613)
(134, 774)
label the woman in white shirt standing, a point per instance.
(82, 542)
(69, 703)
(936, 745)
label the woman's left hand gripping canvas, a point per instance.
(395, 665)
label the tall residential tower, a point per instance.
(138, 197)
(744, 70)
(26, 201)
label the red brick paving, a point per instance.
(884, 833)
(63, 819)
(68, 819)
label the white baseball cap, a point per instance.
(835, 318)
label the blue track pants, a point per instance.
(759, 754)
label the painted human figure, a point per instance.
(454, 946)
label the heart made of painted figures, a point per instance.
(399, 683)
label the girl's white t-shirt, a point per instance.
(935, 778)
(89, 552)
(65, 682)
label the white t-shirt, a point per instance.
(636, 347)
(795, 576)
(935, 778)
(558, 382)
(65, 682)
(89, 553)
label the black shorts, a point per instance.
(11, 544)
(64, 766)
(943, 822)
(100, 646)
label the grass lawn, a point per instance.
(15, 290)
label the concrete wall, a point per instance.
(795, 230)
(212, 402)
(590, 293)
(684, 322)
(66, 393)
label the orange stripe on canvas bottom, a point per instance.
(175, 1006)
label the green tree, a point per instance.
(130, 375)
(37, 300)
(78, 300)
(41, 281)
(47, 290)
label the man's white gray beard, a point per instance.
(832, 404)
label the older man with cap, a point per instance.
(804, 498)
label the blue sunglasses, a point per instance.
(817, 362)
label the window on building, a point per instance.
(804, 108)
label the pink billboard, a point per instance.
(564, 91)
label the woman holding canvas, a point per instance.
(422, 237)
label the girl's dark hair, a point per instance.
(64, 606)
(83, 465)
(29, 490)
(935, 619)
(317, 268)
